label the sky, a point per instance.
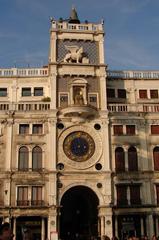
(131, 31)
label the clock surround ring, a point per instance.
(93, 159)
(79, 146)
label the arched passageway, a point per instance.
(79, 214)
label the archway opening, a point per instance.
(79, 214)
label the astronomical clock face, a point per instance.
(79, 146)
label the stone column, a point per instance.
(105, 139)
(128, 195)
(43, 237)
(30, 159)
(51, 148)
(108, 225)
(14, 226)
(52, 54)
(105, 214)
(103, 91)
(143, 133)
(101, 49)
(150, 225)
(53, 87)
(99, 226)
(9, 143)
(126, 157)
(142, 225)
(48, 228)
(116, 226)
(157, 225)
(102, 226)
(52, 227)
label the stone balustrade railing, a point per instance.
(35, 72)
(133, 74)
(25, 106)
(133, 108)
(78, 27)
(23, 72)
(45, 106)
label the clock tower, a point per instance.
(80, 148)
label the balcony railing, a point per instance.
(24, 169)
(24, 203)
(25, 106)
(133, 74)
(77, 27)
(133, 108)
(45, 106)
(23, 72)
(126, 203)
(37, 203)
(122, 202)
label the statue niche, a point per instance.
(78, 96)
(75, 55)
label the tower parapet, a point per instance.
(66, 25)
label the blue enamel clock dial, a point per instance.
(79, 146)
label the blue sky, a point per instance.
(131, 26)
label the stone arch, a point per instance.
(79, 213)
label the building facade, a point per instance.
(79, 144)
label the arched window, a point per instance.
(119, 159)
(156, 158)
(132, 159)
(23, 161)
(36, 158)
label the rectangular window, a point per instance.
(38, 91)
(92, 99)
(135, 195)
(142, 93)
(37, 129)
(157, 193)
(155, 129)
(130, 129)
(122, 93)
(110, 93)
(3, 92)
(122, 195)
(118, 129)
(37, 196)
(153, 93)
(24, 129)
(26, 92)
(22, 198)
